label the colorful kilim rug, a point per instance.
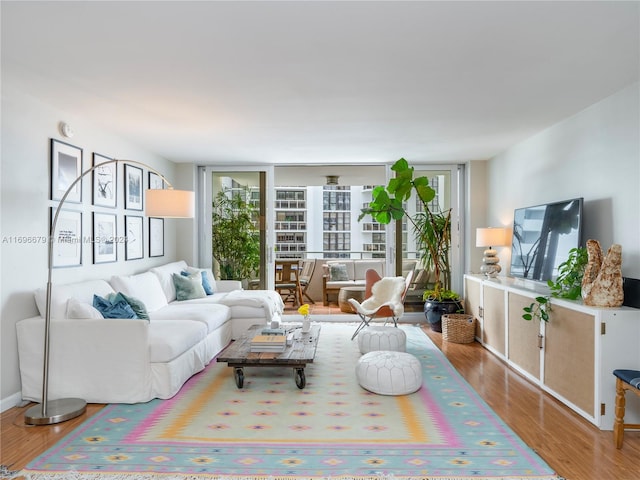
(270, 429)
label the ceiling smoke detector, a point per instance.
(332, 179)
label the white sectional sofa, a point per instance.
(134, 360)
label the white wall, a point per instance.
(476, 214)
(595, 154)
(27, 126)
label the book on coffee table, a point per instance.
(269, 343)
(273, 331)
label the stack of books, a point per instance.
(274, 331)
(269, 343)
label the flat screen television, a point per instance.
(542, 238)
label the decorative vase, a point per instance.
(306, 324)
(602, 284)
(434, 309)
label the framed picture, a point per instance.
(104, 238)
(66, 167)
(67, 238)
(104, 182)
(132, 187)
(155, 181)
(156, 237)
(134, 248)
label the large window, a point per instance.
(337, 198)
(336, 221)
(336, 245)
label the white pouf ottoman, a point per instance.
(389, 373)
(382, 338)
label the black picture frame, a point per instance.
(133, 188)
(134, 237)
(65, 168)
(155, 181)
(67, 238)
(105, 181)
(105, 237)
(156, 237)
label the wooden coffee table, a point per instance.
(302, 350)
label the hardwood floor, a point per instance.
(573, 447)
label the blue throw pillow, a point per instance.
(208, 289)
(205, 283)
(118, 309)
(136, 305)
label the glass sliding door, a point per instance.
(447, 182)
(234, 228)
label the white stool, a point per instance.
(372, 338)
(389, 373)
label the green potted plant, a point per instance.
(235, 241)
(432, 230)
(568, 284)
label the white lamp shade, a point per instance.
(170, 203)
(491, 237)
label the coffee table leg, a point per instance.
(238, 374)
(301, 381)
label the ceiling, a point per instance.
(303, 82)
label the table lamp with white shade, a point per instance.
(490, 237)
(165, 203)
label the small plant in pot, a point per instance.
(568, 284)
(440, 303)
(432, 231)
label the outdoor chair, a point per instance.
(288, 281)
(307, 266)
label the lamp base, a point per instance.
(490, 263)
(58, 411)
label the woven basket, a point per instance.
(458, 328)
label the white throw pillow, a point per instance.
(143, 286)
(60, 295)
(164, 273)
(79, 310)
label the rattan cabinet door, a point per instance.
(472, 302)
(494, 319)
(569, 356)
(524, 350)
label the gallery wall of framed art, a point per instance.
(116, 227)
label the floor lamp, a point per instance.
(165, 203)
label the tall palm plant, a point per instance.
(433, 238)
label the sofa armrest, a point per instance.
(228, 285)
(101, 361)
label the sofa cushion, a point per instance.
(189, 287)
(116, 308)
(80, 311)
(338, 272)
(211, 315)
(164, 272)
(207, 283)
(143, 286)
(60, 295)
(361, 266)
(348, 283)
(136, 305)
(170, 339)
